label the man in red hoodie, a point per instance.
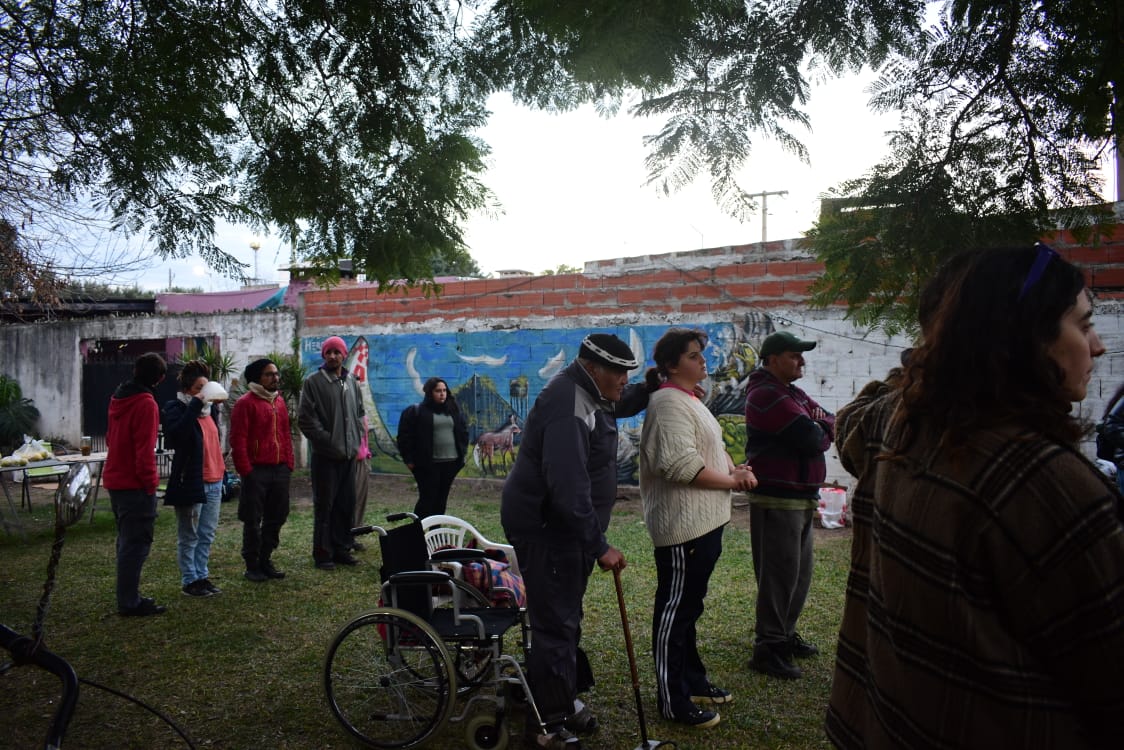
(261, 444)
(131, 478)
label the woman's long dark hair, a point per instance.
(450, 404)
(984, 361)
(667, 352)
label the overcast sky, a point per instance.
(572, 190)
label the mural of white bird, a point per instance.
(415, 378)
(484, 359)
(637, 346)
(553, 365)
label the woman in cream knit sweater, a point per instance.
(686, 478)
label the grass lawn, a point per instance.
(243, 670)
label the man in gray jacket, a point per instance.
(331, 417)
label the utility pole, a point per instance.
(764, 196)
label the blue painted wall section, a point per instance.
(495, 376)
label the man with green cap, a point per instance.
(787, 434)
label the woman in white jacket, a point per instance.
(686, 478)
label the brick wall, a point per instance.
(716, 280)
(697, 283)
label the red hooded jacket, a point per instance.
(134, 422)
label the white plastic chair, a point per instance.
(450, 531)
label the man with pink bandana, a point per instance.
(330, 416)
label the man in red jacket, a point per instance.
(261, 444)
(131, 478)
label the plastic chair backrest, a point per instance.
(449, 531)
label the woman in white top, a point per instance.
(686, 478)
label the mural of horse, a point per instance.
(498, 444)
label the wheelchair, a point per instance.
(396, 675)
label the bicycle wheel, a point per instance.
(389, 679)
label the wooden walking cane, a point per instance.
(645, 743)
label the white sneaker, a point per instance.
(560, 740)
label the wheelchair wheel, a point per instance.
(486, 732)
(389, 679)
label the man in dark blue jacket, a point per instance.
(556, 507)
(787, 434)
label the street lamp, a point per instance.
(255, 246)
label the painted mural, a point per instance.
(495, 376)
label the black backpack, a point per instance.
(1105, 450)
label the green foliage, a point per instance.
(347, 127)
(1005, 107)
(350, 128)
(18, 415)
(561, 269)
(292, 378)
(458, 263)
(96, 290)
(220, 364)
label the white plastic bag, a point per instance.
(213, 391)
(833, 507)
(32, 450)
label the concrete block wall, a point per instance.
(46, 358)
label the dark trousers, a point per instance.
(135, 514)
(556, 575)
(263, 506)
(333, 506)
(434, 482)
(682, 577)
(782, 564)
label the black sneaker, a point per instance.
(771, 661)
(699, 718)
(270, 571)
(325, 565)
(256, 576)
(345, 558)
(712, 694)
(801, 648)
(146, 608)
(196, 589)
(581, 722)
